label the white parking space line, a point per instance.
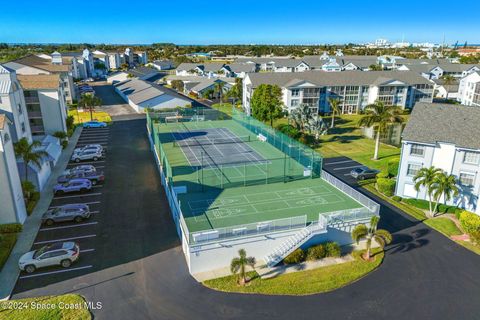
(351, 167)
(72, 226)
(85, 143)
(335, 162)
(74, 164)
(87, 250)
(347, 174)
(97, 186)
(53, 272)
(87, 203)
(79, 196)
(66, 239)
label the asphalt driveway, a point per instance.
(140, 272)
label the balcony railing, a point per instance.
(32, 100)
(34, 114)
(37, 129)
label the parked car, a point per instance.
(363, 173)
(87, 155)
(70, 212)
(93, 146)
(94, 124)
(87, 168)
(94, 177)
(61, 253)
(74, 185)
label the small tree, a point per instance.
(426, 177)
(335, 107)
(267, 103)
(89, 101)
(380, 117)
(178, 85)
(381, 236)
(29, 153)
(444, 185)
(375, 67)
(239, 264)
(218, 89)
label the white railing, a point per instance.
(355, 194)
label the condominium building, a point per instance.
(446, 137)
(354, 89)
(12, 208)
(469, 90)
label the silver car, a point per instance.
(87, 155)
(84, 168)
(57, 254)
(88, 147)
(70, 212)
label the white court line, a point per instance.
(53, 272)
(351, 167)
(343, 161)
(80, 195)
(66, 239)
(72, 226)
(87, 203)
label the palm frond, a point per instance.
(359, 232)
(384, 236)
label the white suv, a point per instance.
(87, 155)
(57, 254)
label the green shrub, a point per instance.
(10, 228)
(383, 175)
(470, 222)
(397, 198)
(64, 144)
(332, 249)
(475, 237)
(386, 186)
(32, 202)
(392, 167)
(6, 246)
(423, 204)
(316, 252)
(296, 256)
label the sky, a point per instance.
(238, 22)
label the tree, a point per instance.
(335, 107)
(178, 85)
(426, 177)
(30, 153)
(381, 236)
(239, 264)
(380, 117)
(236, 91)
(218, 89)
(448, 79)
(267, 103)
(300, 117)
(375, 67)
(89, 101)
(444, 185)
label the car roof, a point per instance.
(79, 180)
(74, 205)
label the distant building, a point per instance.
(163, 65)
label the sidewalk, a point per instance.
(10, 271)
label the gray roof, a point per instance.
(323, 78)
(432, 123)
(187, 66)
(143, 71)
(213, 67)
(241, 67)
(422, 61)
(186, 79)
(140, 91)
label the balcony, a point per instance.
(32, 100)
(37, 129)
(34, 114)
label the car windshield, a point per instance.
(358, 170)
(40, 251)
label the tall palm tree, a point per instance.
(89, 101)
(381, 236)
(29, 153)
(445, 185)
(426, 177)
(335, 107)
(218, 88)
(239, 264)
(380, 117)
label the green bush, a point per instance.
(64, 144)
(386, 186)
(10, 228)
(383, 175)
(32, 202)
(470, 222)
(397, 198)
(392, 167)
(332, 249)
(289, 130)
(423, 204)
(316, 252)
(6, 246)
(296, 256)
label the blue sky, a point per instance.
(246, 22)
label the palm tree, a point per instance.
(218, 89)
(445, 185)
(380, 117)
(89, 101)
(448, 79)
(29, 153)
(335, 107)
(239, 264)
(426, 177)
(381, 236)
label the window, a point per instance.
(413, 169)
(471, 157)
(467, 179)
(417, 150)
(296, 93)
(20, 111)
(295, 103)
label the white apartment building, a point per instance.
(446, 137)
(355, 89)
(12, 208)
(469, 90)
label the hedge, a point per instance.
(470, 222)
(333, 249)
(392, 167)
(316, 252)
(296, 256)
(386, 186)
(383, 175)
(11, 228)
(423, 204)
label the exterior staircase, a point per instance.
(295, 241)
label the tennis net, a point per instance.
(210, 141)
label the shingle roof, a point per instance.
(39, 81)
(432, 123)
(241, 67)
(323, 78)
(40, 63)
(140, 91)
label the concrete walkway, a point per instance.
(10, 271)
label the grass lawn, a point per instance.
(444, 225)
(81, 117)
(24, 309)
(303, 282)
(6, 245)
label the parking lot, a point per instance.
(84, 233)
